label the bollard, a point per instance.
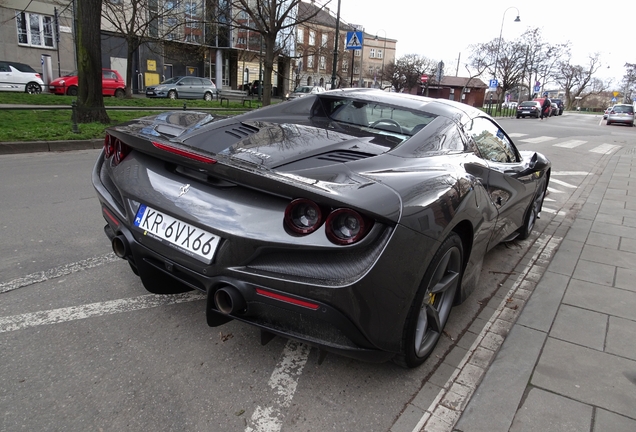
(74, 117)
(184, 106)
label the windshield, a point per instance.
(303, 90)
(528, 104)
(375, 117)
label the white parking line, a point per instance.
(570, 173)
(57, 272)
(605, 148)
(552, 190)
(283, 382)
(57, 316)
(516, 135)
(562, 183)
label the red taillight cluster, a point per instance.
(343, 226)
(114, 147)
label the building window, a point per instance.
(356, 70)
(310, 61)
(323, 62)
(324, 39)
(372, 53)
(345, 65)
(300, 36)
(312, 37)
(358, 52)
(35, 29)
(379, 54)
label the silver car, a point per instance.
(621, 113)
(183, 87)
(19, 77)
(304, 91)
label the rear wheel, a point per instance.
(433, 302)
(33, 88)
(120, 93)
(72, 91)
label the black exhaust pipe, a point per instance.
(228, 300)
(120, 246)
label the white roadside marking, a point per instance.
(552, 190)
(556, 212)
(538, 139)
(570, 173)
(57, 316)
(283, 382)
(516, 135)
(570, 144)
(562, 183)
(549, 199)
(57, 272)
(605, 148)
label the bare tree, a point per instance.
(576, 79)
(140, 21)
(274, 20)
(90, 101)
(629, 82)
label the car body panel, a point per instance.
(19, 77)
(302, 91)
(183, 87)
(621, 113)
(113, 84)
(414, 184)
(529, 109)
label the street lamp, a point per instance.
(383, 55)
(500, 32)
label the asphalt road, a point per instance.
(85, 347)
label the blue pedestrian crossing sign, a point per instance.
(614, 99)
(354, 40)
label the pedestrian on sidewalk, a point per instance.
(546, 107)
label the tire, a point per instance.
(120, 93)
(533, 213)
(518, 116)
(172, 94)
(608, 123)
(72, 91)
(33, 88)
(158, 282)
(207, 96)
(429, 311)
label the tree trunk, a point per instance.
(132, 46)
(90, 101)
(268, 68)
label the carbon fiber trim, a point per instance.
(328, 266)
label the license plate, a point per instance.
(189, 239)
(526, 112)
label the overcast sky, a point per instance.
(443, 30)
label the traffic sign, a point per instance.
(493, 83)
(615, 93)
(354, 40)
(537, 88)
(614, 99)
(424, 78)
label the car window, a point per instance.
(491, 141)
(528, 104)
(627, 109)
(4, 67)
(23, 68)
(109, 75)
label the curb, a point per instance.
(49, 146)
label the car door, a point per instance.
(509, 191)
(109, 83)
(5, 76)
(187, 88)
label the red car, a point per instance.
(112, 84)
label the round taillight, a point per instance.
(121, 151)
(109, 147)
(303, 216)
(346, 226)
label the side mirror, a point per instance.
(538, 162)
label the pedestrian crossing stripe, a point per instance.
(570, 144)
(516, 135)
(562, 183)
(538, 139)
(605, 148)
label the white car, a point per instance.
(19, 77)
(304, 91)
